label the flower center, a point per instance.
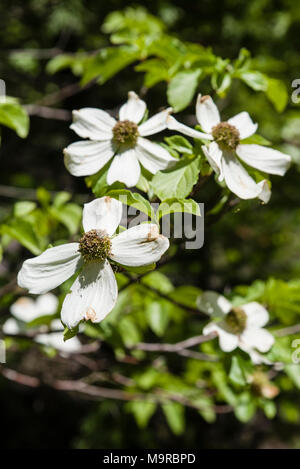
(125, 133)
(236, 320)
(95, 245)
(226, 135)
(261, 386)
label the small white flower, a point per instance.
(94, 292)
(238, 326)
(56, 339)
(227, 149)
(26, 309)
(121, 140)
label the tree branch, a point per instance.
(48, 112)
(158, 396)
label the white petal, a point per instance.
(257, 315)
(45, 272)
(124, 168)
(261, 339)
(153, 156)
(214, 157)
(56, 340)
(102, 214)
(93, 295)
(256, 357)
(93, 123)
(134, 109)
(238, 180)
(264, 159)
(140, 245)
(227, 341)
(46, 304)
(265, 191)
(207, 113)
(24, 309)
(173, 124)
(11, 327)
(244, 124)
(86, 157)
(213, 304)
(155, 124)
(56, 325)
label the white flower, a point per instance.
(227, 149)
(121, 140)
(94, 292)
(238, 326)
(56, 339)
(26, 309)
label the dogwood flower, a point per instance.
(26, 309)
(237, 326)
(94, 291)
(227, 149)
(121, 140)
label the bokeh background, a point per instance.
(253, 242)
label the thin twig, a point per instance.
(48, 112)
(158, 396)
(178, 346)
(287, 331)
(63, 93)
(8, 288)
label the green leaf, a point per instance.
(69, 333)
(180, 144)
(43, 196)
(133, 199)
(143, 184)
(293, 371)
(23, 232)
(108, 62)
(147, 379)
(142, 411)
(41, 320)
(97, 182)
(174, 413)
(257, 139)
(59, 62)
(239, 371)
(61, 198)
(186, 295)
(129, 331)
(69, 215)
(277, 94)
(255, 80)
(182, 88)
(23, 208)
(13, 115)
(157, 317)
(141, 269)
(269, 408)
(158, 281)
(243, 58)
(156, 71)
(178, 206)
(246, 407)
(178, 181)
